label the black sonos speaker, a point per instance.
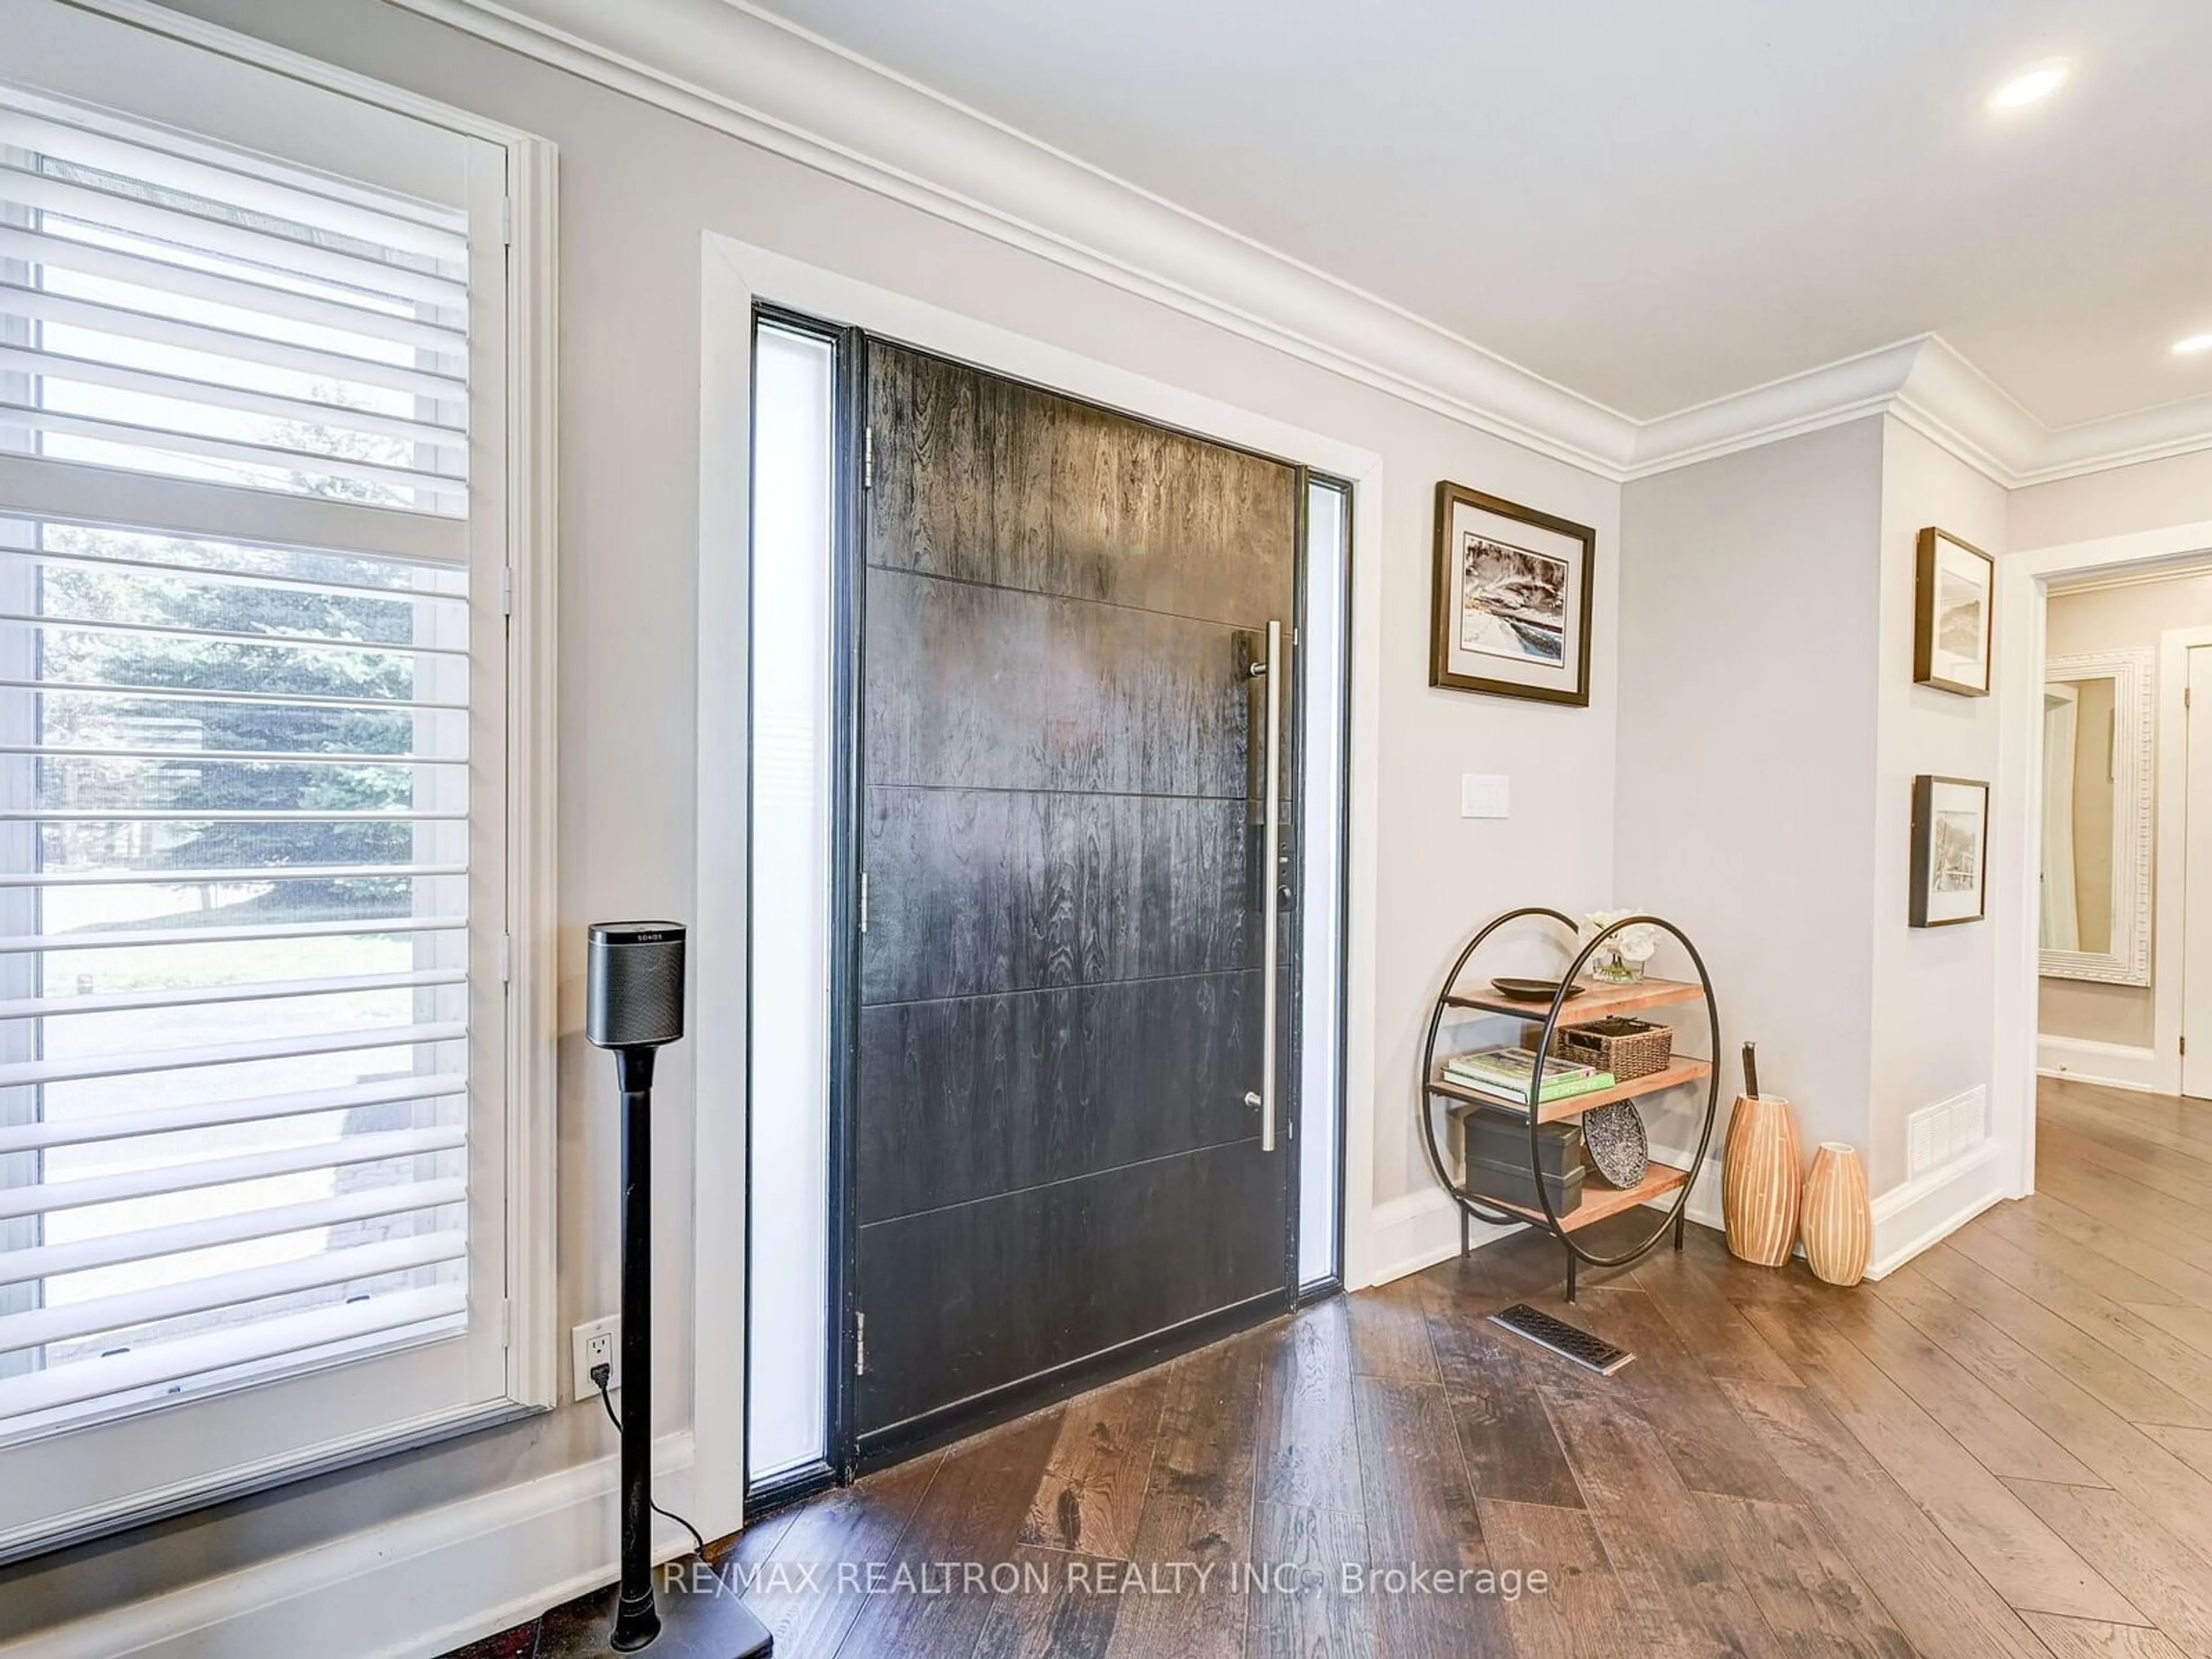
(634, 986)
(634, 1005)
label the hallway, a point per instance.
(2005, 1449)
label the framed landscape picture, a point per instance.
(1952, 619)
(1511, 611)
(1950, 851)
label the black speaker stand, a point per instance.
(699, 1614)
(696, 1622)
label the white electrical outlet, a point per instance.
(598, 1343)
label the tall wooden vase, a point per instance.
(1838, 1220)
(1759, 1180)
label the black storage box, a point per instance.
(1512, 1183)
(1499, 1135)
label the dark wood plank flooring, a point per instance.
(2005, 1449)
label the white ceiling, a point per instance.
(1655, 204)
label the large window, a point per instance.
(255, 1136)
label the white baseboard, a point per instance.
(1929, 1207)
(412, 1590)
(1422, 1229)
(1705, 1205)
(2108, 1065)
(1415, 1232)
(1907, 1219)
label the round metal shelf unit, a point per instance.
(1672, 1219)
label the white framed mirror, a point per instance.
(2097, 748)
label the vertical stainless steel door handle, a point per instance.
(1271, 847)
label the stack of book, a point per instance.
(1504, 1073)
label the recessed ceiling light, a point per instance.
(2192, 345)
(2030, 85)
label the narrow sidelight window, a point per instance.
(1321, 1086)
(794, 559)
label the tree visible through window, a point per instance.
(302, 783)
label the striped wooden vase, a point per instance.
(1759, 1180)
(1838, 1220)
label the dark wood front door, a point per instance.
(1060, 979)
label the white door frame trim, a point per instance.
(2024, 580)
(2169, 852)
(733, 275)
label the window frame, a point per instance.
(101, 1476)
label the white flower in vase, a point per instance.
(1620, 959)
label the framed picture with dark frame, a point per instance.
(1511, 610)
(1953, 615)
(1950, 851)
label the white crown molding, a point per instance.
(2142, 434)
(1929, 386)
(1868, 384)
(732, 67)
(762, 79)
(1945, 398)
(2150, 577)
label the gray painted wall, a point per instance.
(1748, 650)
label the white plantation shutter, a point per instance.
(254, 1137)
(181, 313)
(234, 949)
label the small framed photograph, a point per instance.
(1952, 615)
(1511, 612)
(1950, 851)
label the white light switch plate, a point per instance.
(1484, 795)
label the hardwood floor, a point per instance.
(2005, 1449)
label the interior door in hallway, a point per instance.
(1056, 1139)
(2196, 885)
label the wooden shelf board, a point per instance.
(1683, 1069)
(1597, 1002)
(1600, 1199)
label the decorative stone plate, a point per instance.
(1614, 1138)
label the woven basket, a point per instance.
(1627, 1048)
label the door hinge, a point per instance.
(506, 590)
(507, 220)
(506, 958)
(863, 900)
(860, 1344)
(867, 457)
